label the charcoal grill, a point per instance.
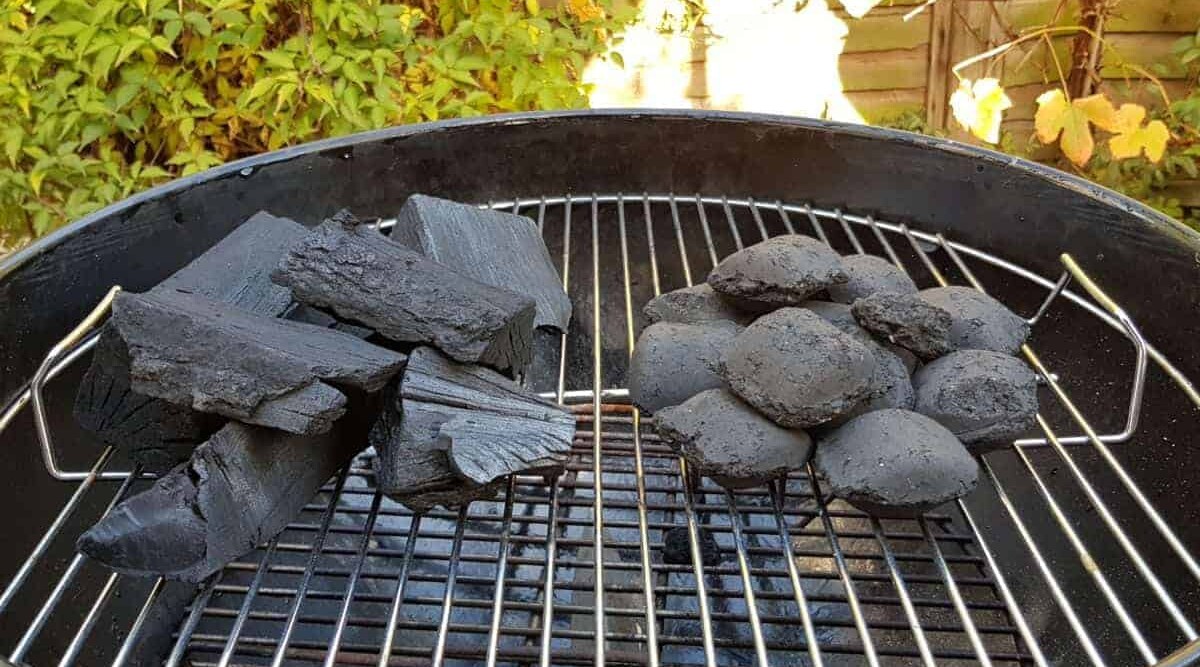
(1076, 549)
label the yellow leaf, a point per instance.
(979, 107)
(35, 179)
(1056, 116)
(1099, 110)
(1131, 138)
(585, 10)
(532, 7)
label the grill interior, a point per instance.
(1058, 557)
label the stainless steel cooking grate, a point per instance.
(1024, 572)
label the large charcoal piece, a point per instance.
(454, 429)
(363, 277)
(867, 275)
(977, 321)
(986, 398)
(798, 369)
(240, 489)
(673, 362)
(781, 271)
(896, 463)
(692, 305)
(906, 320)
(727, 440)
(495, 248)
(212, 357)
(156, 433)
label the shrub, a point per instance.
(101, 98)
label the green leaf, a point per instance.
(103, 62)
(196, 97)
(199, 23)
(279, 59)
(186, 127)
(12, 144)
(162, 44)
(260, 88)
(472, 63)
(92, 132)
(171, 30)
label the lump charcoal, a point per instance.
(906, 320)
(193, 351)
(493, 247)
(896, 463)
(673, 362)
(977, 321)
(367, 279)
(308, 315)
(781, 271)
(840, 316)
(987, 399)
(692, 305)
(238, 490)
(453, 429)
(729, 441)
(869, 274)
(798, 369)
(156, 433)
(677, 548)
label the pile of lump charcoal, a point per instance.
(791, 353)
(252, 375)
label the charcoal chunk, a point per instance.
(692, 305)
(156, 433)
(977, 321)
(365, 278)
(840, 316)
(193, 351)
(906, 320)
(781, 271)
(677, 548)
(868, 275)
(729, 441)
(238, 490)
(453, 429)
(986, 398)
(895, 463)
(673, 362)
(495, 248)
(798, 369)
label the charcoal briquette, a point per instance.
(492, 247)
(724, 438)
(986, 398)
(840, 316)
(673, 362)
(365, 278)
(895, 463)
(906, 320)
(798, 369)
(781, 271)
(692, 305)
(978, 321)
(867, 275)
(213, 357)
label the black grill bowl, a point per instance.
(584, 176)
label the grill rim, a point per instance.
(499, 121)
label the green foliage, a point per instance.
(101, 98)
